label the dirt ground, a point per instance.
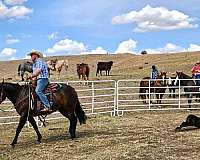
(144, 135)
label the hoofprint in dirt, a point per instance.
(136, 135)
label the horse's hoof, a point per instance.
(37, 142)
(12, 145)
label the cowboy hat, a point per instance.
(39, 54)
(198, 62)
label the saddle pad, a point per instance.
(52, 87)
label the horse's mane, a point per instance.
(185, 76)
(17, 87)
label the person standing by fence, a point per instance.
(154, 74)
(196, 72)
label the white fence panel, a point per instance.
(115, 97)
(128, 97)
(96, 97)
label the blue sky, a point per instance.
(69, 27)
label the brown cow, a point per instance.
(56, 65)
(83, 71)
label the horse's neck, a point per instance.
(12, 92)
(15, 92)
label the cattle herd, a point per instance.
(56, 65)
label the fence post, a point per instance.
(149, 94)
(93, 97)
(115, 98)
(179, 93)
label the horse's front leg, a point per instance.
(189, 96)
(33, 123)
(170, 92)
(158, 98)
(21, 124)
(161, 96)
(58, 75)
(174, 93)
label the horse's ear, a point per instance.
(3, 80)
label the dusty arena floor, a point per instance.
(137, 135)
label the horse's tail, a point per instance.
(19, 70)
(80, 113)
(97, 72)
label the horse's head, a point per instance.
(2, 92)
(179, 74)
(163, 74)
(161, 79)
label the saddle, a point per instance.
(49, 91)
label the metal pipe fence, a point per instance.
(114, 98)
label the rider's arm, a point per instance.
(36, 73)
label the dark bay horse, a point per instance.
(23, 67)
(158, 87)
(189, 86)
(65, 100)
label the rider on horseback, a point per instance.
(40, 72)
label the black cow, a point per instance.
(104, 66)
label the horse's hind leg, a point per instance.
(21, 124)
(72, 127)
(73, 122)
(189, 96)
(33, 123)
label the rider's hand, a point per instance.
(30, 77)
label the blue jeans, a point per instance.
(41, 84)
(197, 81)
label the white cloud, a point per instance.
(155, 19)
(53, 35)
(194, 47)
(7, 52)
(168, 48)
(14, 2)
(67, 46)
(127, 46)
(98, 50)
(17, 12)
(12, 40)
